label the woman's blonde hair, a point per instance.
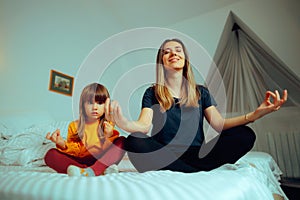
(93, 92)
(190, 93)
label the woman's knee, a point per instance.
(244, 135)
(248, 136)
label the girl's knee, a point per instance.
(50, 155)
(50, 152)
(119, 142)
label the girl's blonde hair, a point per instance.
(190, 93)
(94, 92)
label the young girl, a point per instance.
(92, 143)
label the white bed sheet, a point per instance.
(227, 182)
(265, 163)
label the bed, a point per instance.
(23, 175)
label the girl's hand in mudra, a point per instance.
(56, 138)
(108, 127)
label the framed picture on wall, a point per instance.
(61, 83)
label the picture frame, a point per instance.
(61, 83)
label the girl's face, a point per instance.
(173, 56)
(94, 110)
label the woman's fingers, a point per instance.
(277, 100)
(110, 107)
(113, 107)
(268, 95)
(276, 104)
(282, 100)
(285, 96)
(277, 95)
(110, 111)
(106, 108)
(119, 111)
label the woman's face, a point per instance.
(173, 56)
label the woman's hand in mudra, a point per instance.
(271, 103)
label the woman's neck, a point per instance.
(174, 84)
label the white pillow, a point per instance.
(23, 149)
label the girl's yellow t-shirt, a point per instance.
(90, 144)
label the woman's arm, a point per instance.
(219, 123)
(113, 112)
(215, 119)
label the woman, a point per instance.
(176, 106)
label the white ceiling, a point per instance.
(135, 13)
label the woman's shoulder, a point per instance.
(149, 97)
(150, 89)
(204, 91)
(202, 88)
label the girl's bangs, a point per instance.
(100, 98)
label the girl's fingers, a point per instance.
(48, 136)
(53, 137)
(108, 123)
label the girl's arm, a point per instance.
(113, 112)
(267, 106)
